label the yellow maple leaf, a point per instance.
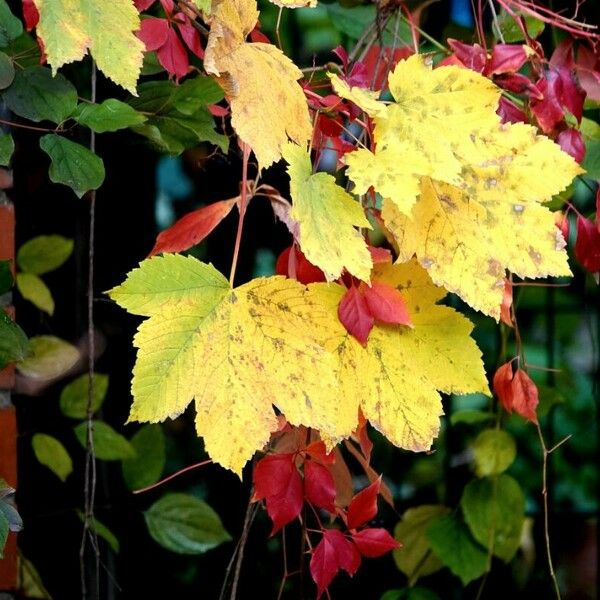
(462, 191)
(327, 216)
(267, 104)
(69, 28)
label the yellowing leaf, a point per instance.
(69, 28)
(267, 105)
(327, 216)
(295, 3)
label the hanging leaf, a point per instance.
(72, 164)
(494, 450)
(32, 288)
(7, 147)
(374, 542)
(44, 253)
(150, 456)
(50, 357)
(184, 524)
(108, 444)
(14, 345)
(103, 532)
(111, 115)
(74, 396)
(51, 453)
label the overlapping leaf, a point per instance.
(462, 192)
(251, 72)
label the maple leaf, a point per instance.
(267, 104)
(327, 216)
(68, 28)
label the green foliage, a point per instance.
(108, 444)
(111, 115)
(10, 27)
(32, 288)
(494, 451)
(44, 253)
(7, 145)
(50, 357)
(149, 462)
(14, 345)
(51, 453)
(74, 396)
(105, 533)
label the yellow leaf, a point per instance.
(295, 3)
(327, 217)
(267, 104)
(69, 28)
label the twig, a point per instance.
(242, 207)
(173, 476)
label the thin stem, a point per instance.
(173, 476)
(30, 127)
(277, 34)
(242, 207)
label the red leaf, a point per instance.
(549, 110)
(571, 141)
(173, 56)
(366, 445)
(597, 210)
(153, 32)
(258, 36)
(380, 255)
(519, 84)
(473, 57)
(276, 479)
(217, 111)
(587, 246)
(386, 304)
(192, 228)
(363, 506)
(572, 96)
(333, 552)
(296, 266)
(379, 62)
(168, 6)
(507, 300)
(191, 37)
(374, 542)
(507, 58)
(318, 451)
(31, 16)
(354, 315)
(143, 4)
(587, 66)
(319, 487)
(502, 383)
(525, 396)
(509, 112)
(342, 477)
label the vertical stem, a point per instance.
(242, 207)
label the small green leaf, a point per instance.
(471, 417)
(7, 71)
(104, 532)
(6, 276)
(38, 96)
(494, 450)
(31, 585)
(74, 396)
(72, 164)
(411, 593)
(14, 345)
(10, 27)
(494, 509)
(184, 524)
(44, 253)
(32, 288)
(415, 558)
(51, 453)
(3, 532)
(15, 523)
(194, 94)
(149, 462)
(7, 147)
(50, 357)
(108, 444)
(111, 115)
(511, 32)
(454, 545)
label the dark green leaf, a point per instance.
(453, 544)
(44, 253)
(3, 532)
(471, 417)
(25, 49)
(72, 164)
(195, 94)
(7, 71)
(415, 558)
(38, 96)
(32, 288)
(494, 450)
(111, 115)
(184, 524)
(6, 276)
(591, 162)
(50, 357)
(10, 27)
(105, 533)
(14, 345)
(108, 444)
(494, 509)
(74, 396)
(149, 462)
(51, 453)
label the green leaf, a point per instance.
(14, 345)
(51, 453)
(7, 71)
(194, 94)
(353, 22)
(73, 164)
(454, 545)
(50, 357)
(108, 444)
(38, 96)
(415, 558)
(111, 115)
(3, 532)
(471, 417)
(591, 162)
(10, 27)
(411, 593)
(104, 532)
(32, 288)
(149, 462)
(25, 50)
(494, 509)
(74, 396)
(44, 253)
(31, 585)
(494, 451)
(184, 524)
(6, 276)
(511, 32)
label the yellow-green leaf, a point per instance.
(327, 216)
(69, 28)
(51, 453)
(50, 357)
(32, 288)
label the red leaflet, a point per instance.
(386, 304)
(571, 141)
(507, 300)
(549, 111)
(354, 314)
(192, 228)
(366, 445)
(473, 57)
(379, 62)
(571, 96)
(318, 451)
(380, 255)
(502, 385)
(332, 553)
(153, 32)
(143, 4)
(519, 84)
(319, 487)
(31, 16)
(277, 481)
(587, 67)
(173, 56)
(374, 542)
(191, 37)
(363, 506)
(507, 58)
(524, 396)
(296, 266)
(256, 35)
(509, 112)
(587, 246)
(597, 209)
